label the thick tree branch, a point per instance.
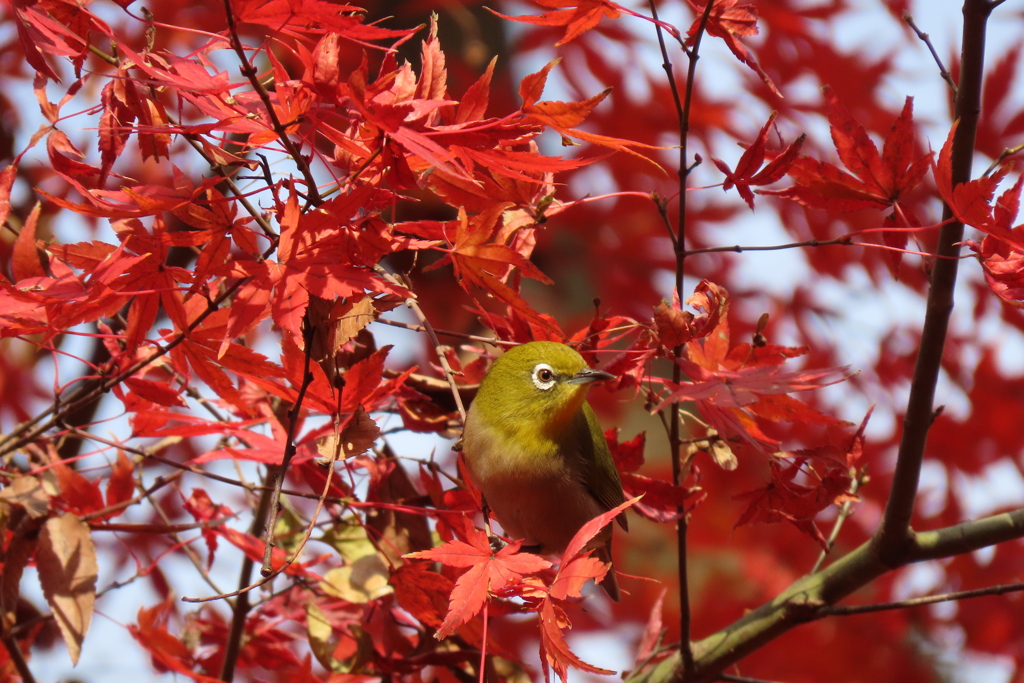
(812, 597)
(967, 537)
(890, 539)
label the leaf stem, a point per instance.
(844, 512)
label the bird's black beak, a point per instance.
(589, 375)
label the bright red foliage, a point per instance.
(218, 219)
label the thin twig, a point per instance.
(1008, 152)
(156, 528)
(289, 561)
(431, 334)
(250, 73)
(31, 429)
(14, 652)
(220, 170)
(844, 512)
(742, 679)
(738, 249)
(848, 610)
(943, 71)
(679, 247)
(216, 167)
(447, 333)
(289, 453)
(233, 645)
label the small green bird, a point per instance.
(535, 449)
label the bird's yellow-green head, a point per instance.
(541, 383)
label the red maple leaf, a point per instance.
(481, 260)
(489, 571)
(729, 20)
(782, 499)
(875, 181)
(554, 651)
(168, 652)
(971, 202)
(661, 499)
(577, 18)
(734, 385)
(121, 485)
(565, 116)
(748, 169)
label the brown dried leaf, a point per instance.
(723, 455)
(26, 492)
(359, 437)
(66, 559)
(350, 318)
(364, 580)
(335, 323)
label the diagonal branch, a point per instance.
(811, 597)
(848, 610)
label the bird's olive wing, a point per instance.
(600, 475)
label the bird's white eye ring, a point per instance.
(543, 376)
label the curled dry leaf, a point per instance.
(723, 456)
(335, 323)
(66, 560)
(359, 436)
(26, 492)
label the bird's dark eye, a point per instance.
(543, 376)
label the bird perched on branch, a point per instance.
(537, 452)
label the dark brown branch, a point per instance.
(895, 544)
(14, 652)
(890, 541)
(281, 470)
(678, 238)
(233, 645)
